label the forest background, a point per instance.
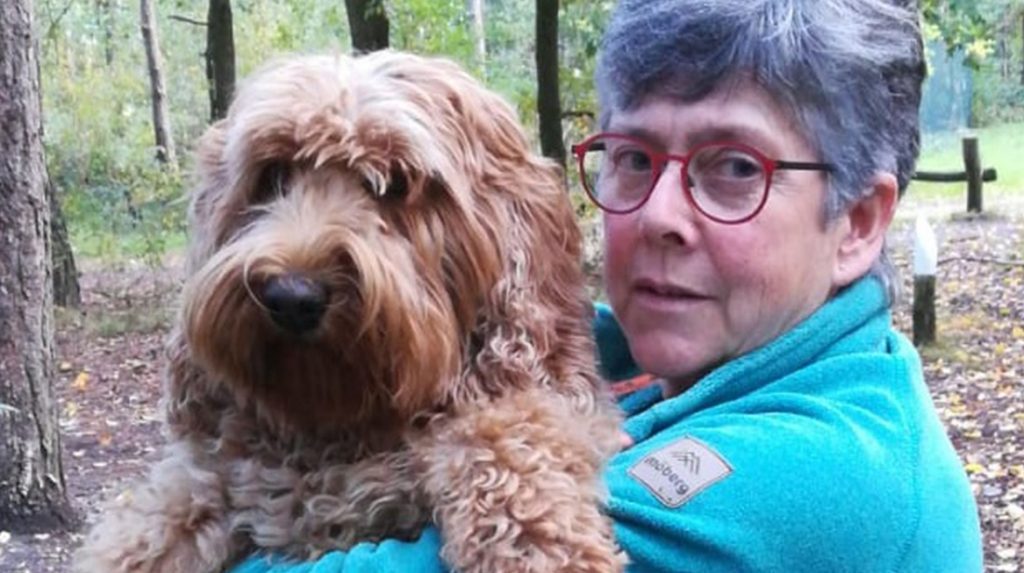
(119, 200)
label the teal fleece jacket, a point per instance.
(819, 452)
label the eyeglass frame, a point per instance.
(660, 162)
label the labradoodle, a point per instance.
(384, 325)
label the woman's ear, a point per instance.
(863, 229)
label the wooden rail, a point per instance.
(973, 174)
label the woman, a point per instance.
(751, 156)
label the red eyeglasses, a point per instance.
(727, 182)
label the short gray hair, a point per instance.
(848, 71)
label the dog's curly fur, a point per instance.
(452, 376)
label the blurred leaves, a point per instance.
(961, 25)
(81, 381)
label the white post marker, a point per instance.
(926, 263)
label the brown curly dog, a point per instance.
(384, 325)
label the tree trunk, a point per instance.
(549, 104)
(220, 57)
(368, 23)
(32, 491)
(165, 152)
(476, 12)
(1003, 51)
(105, 21)
(66, 291)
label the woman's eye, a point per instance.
(741, 167)
(726, 164)
(634, 160)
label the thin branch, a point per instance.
(54, 22)
(187, 20)
(1003, 262)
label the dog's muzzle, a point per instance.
(295, 302)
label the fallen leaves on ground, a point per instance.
(974, 370)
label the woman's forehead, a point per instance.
(738, 111)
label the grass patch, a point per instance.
(111, 247)
(1000, 147)
(112, 324)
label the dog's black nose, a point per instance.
(296, 302)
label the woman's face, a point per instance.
(692, 293)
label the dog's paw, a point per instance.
(156, 530)
(139, 552)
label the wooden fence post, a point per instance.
(972, 166)
(925, 266)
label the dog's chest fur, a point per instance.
(303, 495)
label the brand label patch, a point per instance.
(677, 472)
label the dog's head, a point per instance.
(362, 228)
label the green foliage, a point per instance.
(265, 29)
(999, 83)
(436, 27)
(999, 100)
(98, 129)
(510, 67)
(582, 23)
(961, 25)
(972, 25)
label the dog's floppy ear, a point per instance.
(534, 328)
(210, 193)
(540, 303)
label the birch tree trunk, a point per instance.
(476, 12)
(165, 152)
(32, 490)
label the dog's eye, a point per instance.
(397, 189)
(273, 183)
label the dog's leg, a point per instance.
(172, 523)
(516, 486)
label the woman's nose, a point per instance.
(668, 215)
